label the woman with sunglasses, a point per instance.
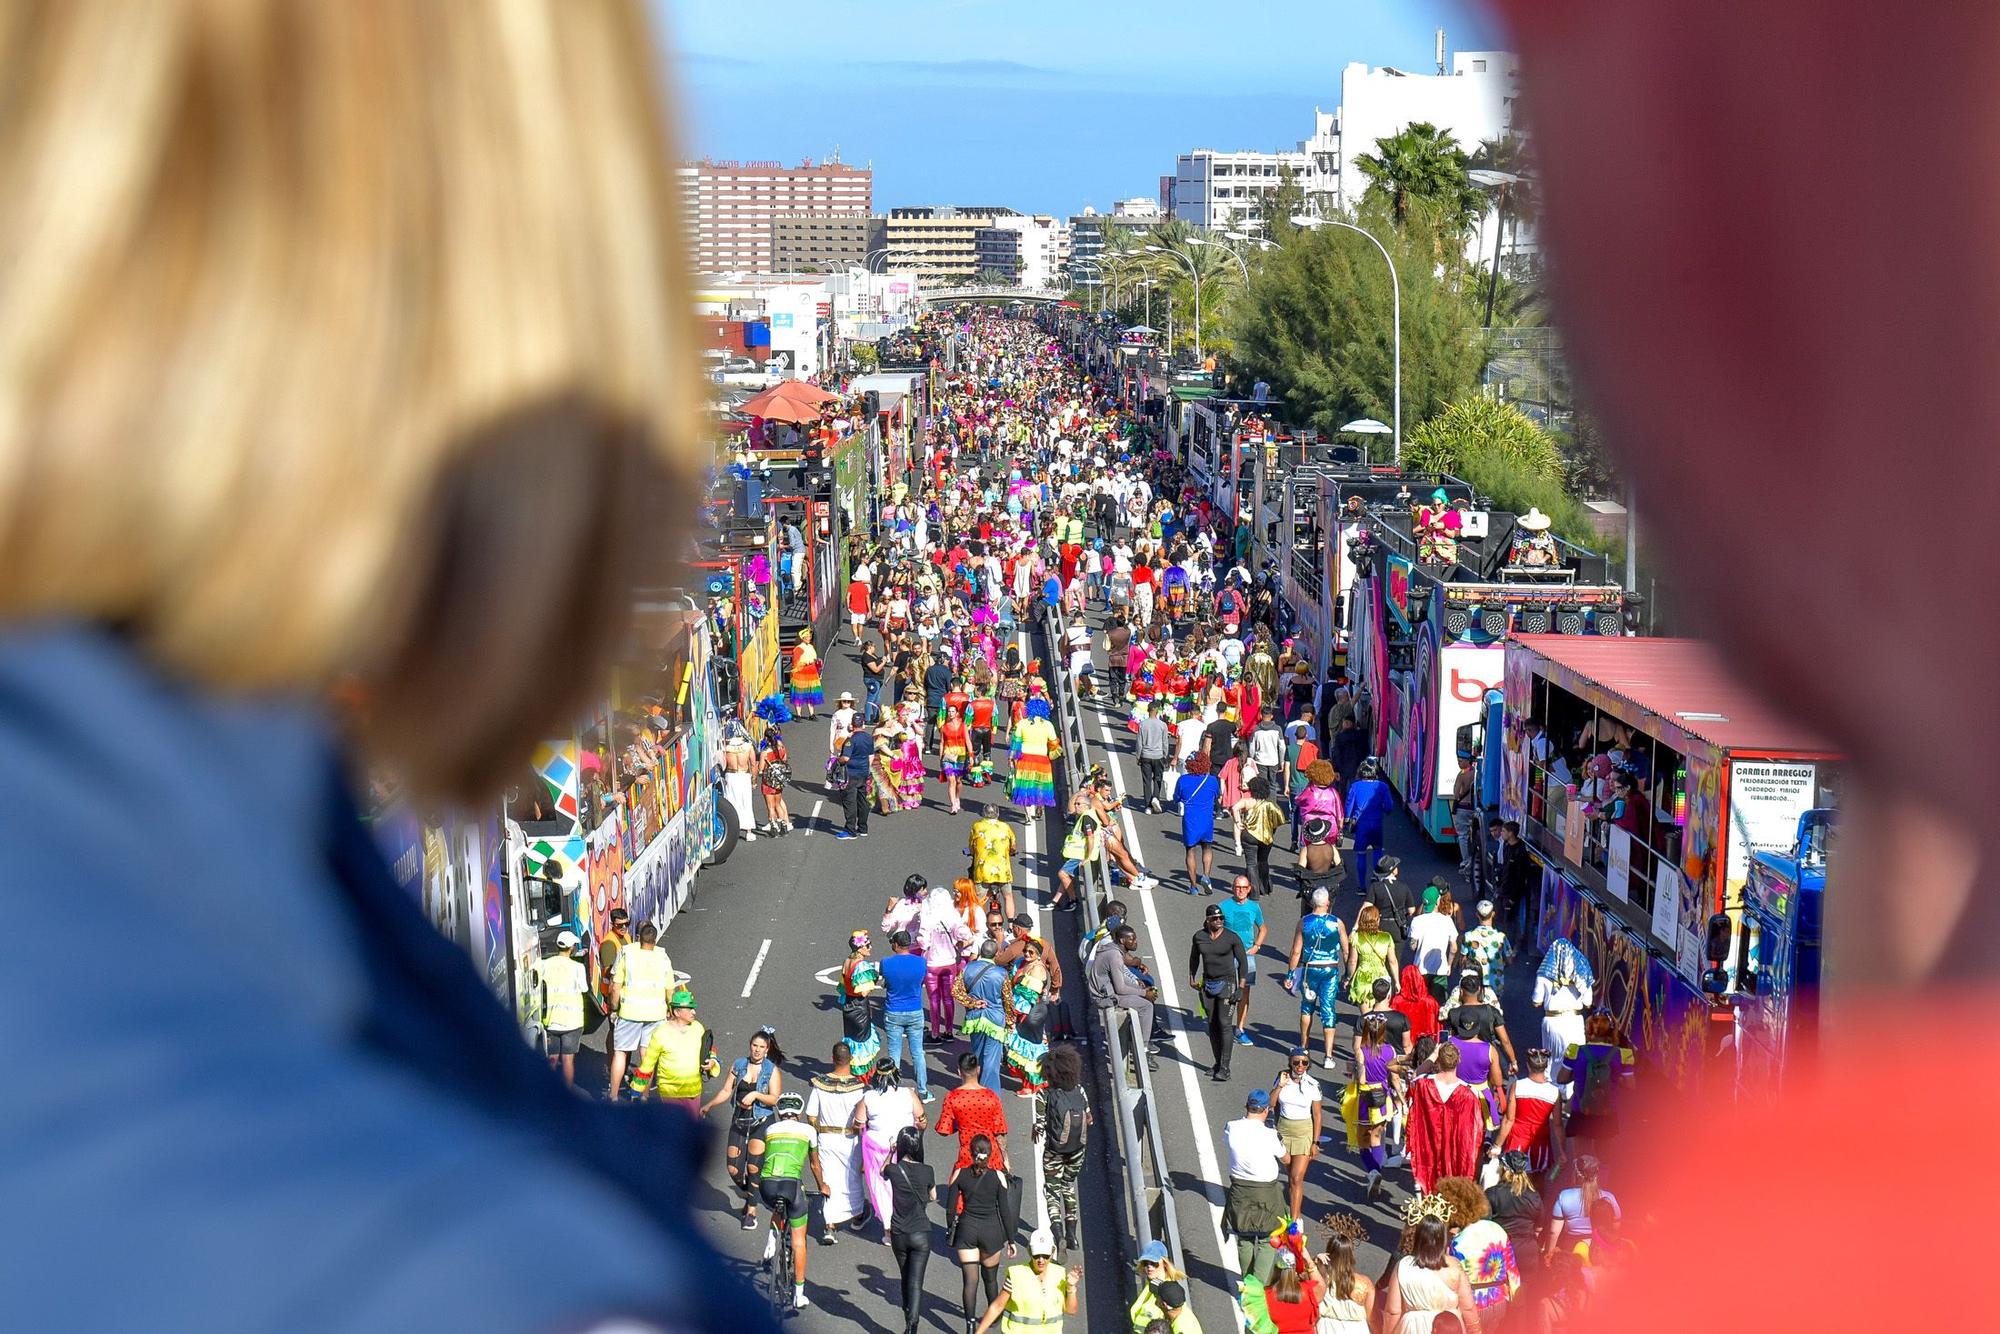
(1301, 1106)
(1155, 1267)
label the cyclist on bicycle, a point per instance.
(791, 1145)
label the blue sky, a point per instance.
(1039, 105)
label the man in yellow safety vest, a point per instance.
(559, 981)
(616, 939)
(640, 981)
(1035, 1297)
(679, 1055)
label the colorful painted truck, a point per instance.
(621, 813)
(1424, 622)
(1647, 780)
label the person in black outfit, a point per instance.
(1347, 749)
(983, 1208)
(911, 1185)
(1514, 877)
(1392, 898)
(1218, 967)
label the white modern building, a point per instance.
(1039, 249)
(1475, 102)
(1227, 190)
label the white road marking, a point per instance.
(812, 821)
(825, 976)
(1166, 969)
(756, 967)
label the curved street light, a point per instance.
(1228, 250)
(1396, 317)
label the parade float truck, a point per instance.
(1773, 972)
(1654, 893)
(1324, 503)
(1424, 620)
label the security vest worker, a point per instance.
(640, 980)
(560, 980)
(679, 1055)
(615, 940)
(1035, 1297)
(1155, 1267)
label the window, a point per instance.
(1597, 763)
(1478, 67)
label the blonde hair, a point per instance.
(341, 342)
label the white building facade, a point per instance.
(1475, 102)
(1227, 190)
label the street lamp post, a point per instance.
(1229, 250)
(1195, 275)
(868, 260)
(1396, 318)
(1497, 181)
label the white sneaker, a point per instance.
(799, 1302)
(770, 1244)
(1327, 1064)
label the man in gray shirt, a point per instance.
(1114, 986)
(1156, 742)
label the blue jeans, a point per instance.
(989, 1050)
(871, 696)
(906, 1028)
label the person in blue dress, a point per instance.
(1196, 794)
(1319, 955)
(1368, 803)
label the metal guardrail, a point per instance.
(1148, 1195)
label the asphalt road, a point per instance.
(765, 933)
(763, 936)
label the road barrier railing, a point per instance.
(1148, 1191)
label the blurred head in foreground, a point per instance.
(343, 345)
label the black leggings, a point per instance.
(912, 1254)
(977, 1272)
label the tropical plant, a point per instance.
(1316, 323)
(1478, 425)
(1504, 454)
(1515, 200)
(1420, 171)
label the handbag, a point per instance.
(837, 776)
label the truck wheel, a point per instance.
(727, 831)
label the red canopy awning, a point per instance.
(788, 401)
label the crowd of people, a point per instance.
(1039, 491)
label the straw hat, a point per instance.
(1534, 520)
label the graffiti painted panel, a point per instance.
(1661, 1013)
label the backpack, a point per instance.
(1063, 1122)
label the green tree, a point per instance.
(1504, 454)
(1420, 172)
(1277, 209)
(1478, 425)
(1514, 202)
(1315, 321)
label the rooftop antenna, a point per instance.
(836, 154)
(1440, 52)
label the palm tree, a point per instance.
(1514, 200)
(1182, 265)
(1421, 168)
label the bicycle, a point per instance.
(780, 1264)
